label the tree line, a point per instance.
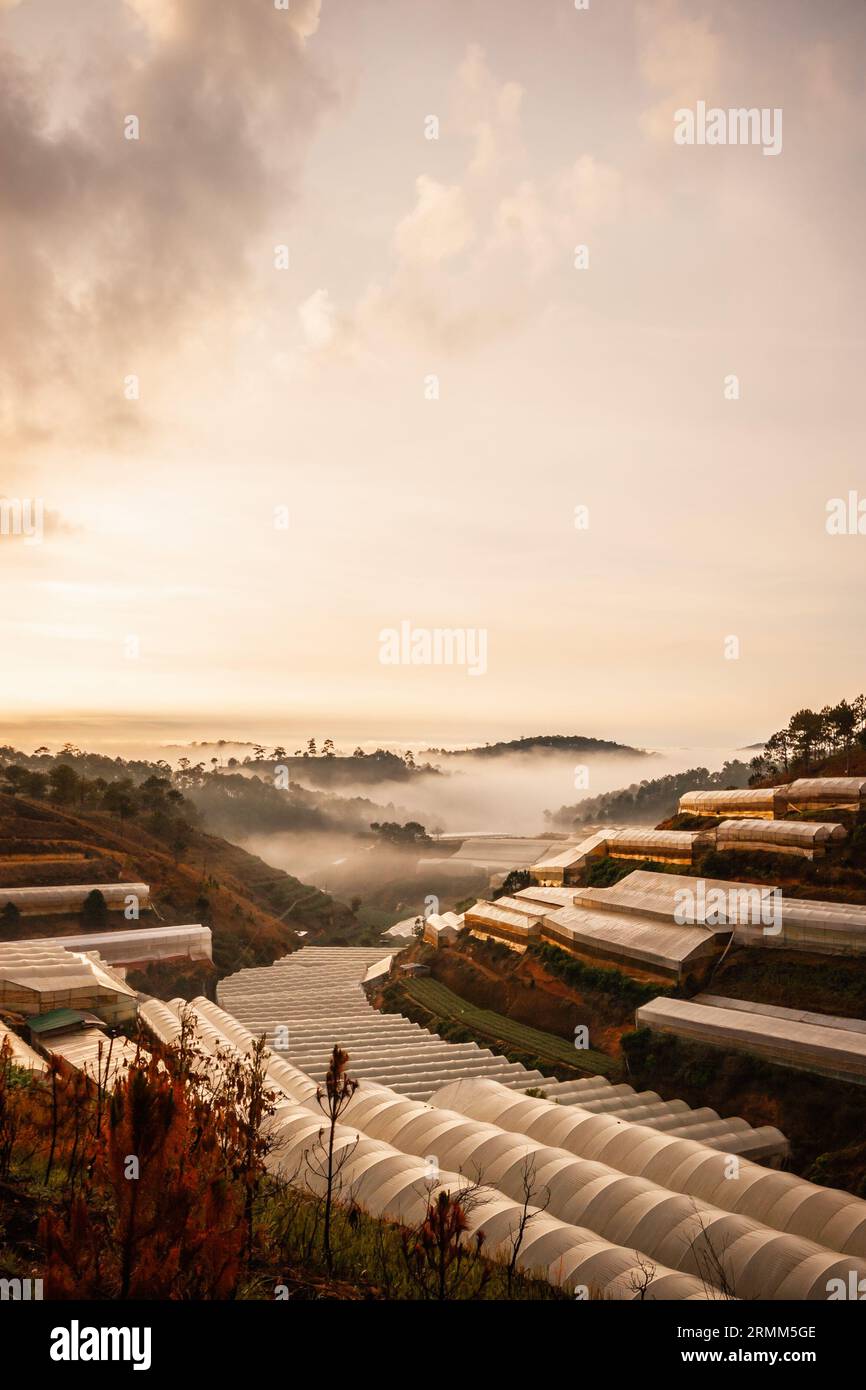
(812, 736)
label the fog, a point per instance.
(509, 794)
(494, 795)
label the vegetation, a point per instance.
(408, 836)
(605, 871)
(554, 743)
(811, 738)
(161, 1190)
(427, 1000)
(645, 803)
(253, 910)
(623, 989)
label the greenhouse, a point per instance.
(813, 793)
(441, 928)
(779, 1199)
(727, 1250)
(71, 897)
(810, 1042)
(400, 1150)
(565, 865)
(626, 842)
(757, 913)
(37, 977)
(104, 1059)
(809, 839)
(22, 1054)
(664, 949)
(389, 1182)
(137, 945)
(664, 846)
(486, 918)
(491, 853)
(618, 925)
(748, 801)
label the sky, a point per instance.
(311, 358)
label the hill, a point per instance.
(253, 909)
(546, 743)
(643, 803)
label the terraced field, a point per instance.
(443, 1003)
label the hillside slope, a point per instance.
(253, 909)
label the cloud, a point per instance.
(469, 256)
(487, 110)
(115, 246)
(438, 226)
(318, 318)
(680, 57)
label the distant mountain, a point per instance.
(546, 743)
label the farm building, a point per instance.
(89, 1050)
(748, 801)
(818, 1043)
(769, 803)
(669, 925)
(638, 1200)
(664, 846)
(662, 949)
(504, 923)
(441, 928)
(71, 897)
(817, 793)
(809, 839)
(684, 1164)
(37, 977)
(378, 972)
(319, 999)
(806, 924)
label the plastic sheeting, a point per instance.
(70, 897)
(757, 913)
(36, 977)
(788, 1203)
(807, 838)
(393, 1184)
(22, 1054)
(312, 999)
(138, 944)
(89, 1050)
(820, 1043)
(730, 1251)
(748, 801)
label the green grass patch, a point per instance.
(460, 1021)
(579, 976)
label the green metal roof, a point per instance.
(56, 1018)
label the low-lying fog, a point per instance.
(493, 795)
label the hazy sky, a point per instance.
(409, 258)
